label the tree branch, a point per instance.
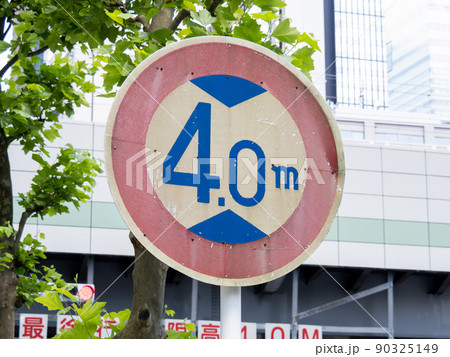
(177, 20)
(14, 59)
(186, 13)
(23, 220)
(143, 20)
(214, 6)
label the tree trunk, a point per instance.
(149, 274)
(8, 278)
(149, 281)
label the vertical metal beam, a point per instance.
(390, 297)
(330, 51)
(294, 303)
(90, 270)
(194, 301)
(230, 312)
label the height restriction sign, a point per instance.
(224, 160)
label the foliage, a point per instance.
(242, 19)
(35, 94)
(68, 180)
(33, 278)
(88, 317)
(177, 335)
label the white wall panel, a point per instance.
(438, 164)
(362, 182)
(101, 190)
(361, 254)
(111, 241)
(361, 206)
(407, 257)
(326, 254)
(66, 239)
(405, 209)
(21, 181)
(440, 258)
(439, 211)
(404, 185)
(99, 136)
(362, 158)
(438, 187)
(403, 161)
(78, 134)
(19, 161)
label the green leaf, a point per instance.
(27, 15)
(107, 95)
(49, 9)
(90, 312)
(50, 134)
(7, 230)
(190, 326)
(4, 46)
(309, 39)
(187, 4)
(125, 16)
(269, 4)
(249, 29)
(265, 16)
(285, 33)
(115, 16)
(66, 293)
(204, 17)
(20, 28)
(152, 12)
(51, 300)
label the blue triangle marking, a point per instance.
(229, 228)
(229, 90)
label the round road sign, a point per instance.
(224, 160)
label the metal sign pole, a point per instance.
(230, 312)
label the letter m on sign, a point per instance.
(309, 332)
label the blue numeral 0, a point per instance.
(261, 190)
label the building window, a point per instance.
(351, 130)
(399, 133)
(442, 136)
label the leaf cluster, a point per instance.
(69, 180)
(179, 335)
(33, 278)
(88, 317)
(245, 19)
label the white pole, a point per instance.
(230, 312)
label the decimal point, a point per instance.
(221, 201)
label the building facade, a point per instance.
(388, 247)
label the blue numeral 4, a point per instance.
(200, 120)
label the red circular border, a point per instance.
(132, 121)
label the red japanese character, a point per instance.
(67, 323)
(33, 327)
(210, 332)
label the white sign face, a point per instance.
(105, 331)
(176, 324)
(307, 332)
(248, 331)
(64, 322)
(33, 326)
(208, 330)
(278, 331)
(211, 329)
(248, 162)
